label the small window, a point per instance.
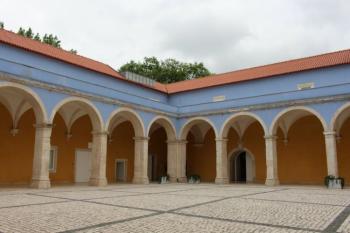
(53, 159)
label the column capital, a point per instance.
(221, 139)
(176, 141)
(43, 125)
(140, 138)
(100, 133)
(329, 133)
(270, 137)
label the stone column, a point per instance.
(141, 160)
(271, 160)
(172, 159)
(181, 161)
(331, 153)
(99, 159)
(40, 178)
(221, 161)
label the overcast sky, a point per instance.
(224, 35)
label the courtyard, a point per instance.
(175, 208)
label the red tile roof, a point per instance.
(297, 65)
(286, 67)
(22, 42)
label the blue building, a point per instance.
(69, 119)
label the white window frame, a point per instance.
(54, 159)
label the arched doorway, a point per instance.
(200, 134)
(124, 164)
(21, 111)
(341, 125)
(71, 157)
(242, 167)
(245, 137)
(160, 160)
(301, 154)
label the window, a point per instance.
(53, 159)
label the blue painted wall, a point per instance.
(328, 82)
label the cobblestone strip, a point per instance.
(296, 202)
(338, 221)
(160, 212)
(250, 223)
(105, 204)
(225, 198)
(34, 204)
(110, 223)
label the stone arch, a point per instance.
(340, 117)
(193, 121)
(340, 124)
(166, 123)
(28, 95)
(235, 152)
(227, 124)
(300, 111)
(86, 105)
(300, 145)
(126, 114)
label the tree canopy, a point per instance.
(49, 39)
(166, 71)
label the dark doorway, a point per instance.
(238, 167)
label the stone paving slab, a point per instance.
(317, 198)
(275, 213)
(23, 199)
(160, 202)
(223, 191)
(88, 194)
(61, 216)
(175, 208)
(317, 190)
(161, 188)
(172, 223)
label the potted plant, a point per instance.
(164, 179)
(194, 179)
(333, 182)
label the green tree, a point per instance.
(166, 71)
(47, 38)
(2, 25)
(51, 40)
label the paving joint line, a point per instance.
(156, 212)
(34, 204)
(247, 222)
(295, 202)
(338, 220)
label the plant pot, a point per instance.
(334, 183)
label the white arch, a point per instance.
(191, 122)
(90, 108)
(33, 98)
(336, 116)
(226, 125)
(133, 117)
(274, 124)
(166, 123)
(234, 152)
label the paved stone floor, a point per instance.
(175, 208)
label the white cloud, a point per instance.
(225, 35)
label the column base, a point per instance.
(272, 182)
(181, 179)
(172, 179)
(221, 181)
(98, 182)
(40, 184)
(140, 180)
